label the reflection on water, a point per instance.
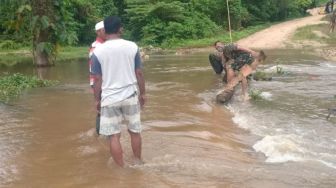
(48, 137)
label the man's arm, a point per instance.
(97, 90)
(254, 54)
(141, 84)
(97, 73)
(140, 79)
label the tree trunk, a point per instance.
(41, 59)
(41, 8)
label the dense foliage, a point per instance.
(155, 22)
(12, 85)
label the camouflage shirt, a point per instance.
(230, 51)
(240, 58)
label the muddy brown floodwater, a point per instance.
(48, 139)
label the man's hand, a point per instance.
(142, 100)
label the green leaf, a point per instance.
(28, 7)
(45, 22)
(34, 21)
(21, 9)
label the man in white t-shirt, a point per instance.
(116, 66)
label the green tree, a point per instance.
(121, 6)
(52, 25)
(165, 22)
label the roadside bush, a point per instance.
(195, 26)
(164, 23)
(9, 45)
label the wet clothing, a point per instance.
(240, 58)
(111, 116)
(116, 60)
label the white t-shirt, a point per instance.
(115, 61)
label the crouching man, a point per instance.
(239, 63)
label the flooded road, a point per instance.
(48, 136)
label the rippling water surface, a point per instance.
(284, 140)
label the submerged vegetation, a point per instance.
(262, 76)
(255, 94)
(267, 76)
(12, 85)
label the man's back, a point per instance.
(117, 62)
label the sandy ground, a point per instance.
(279, 35)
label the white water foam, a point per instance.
(284, 148)
(290, 129)
(329, 65)
(280, 148)
(266, 95)
(245, 121)
(271, 69)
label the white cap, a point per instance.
(99, 25)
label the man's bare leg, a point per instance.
(136, 144)
(229, 73)
(244, 89)
(116, 150)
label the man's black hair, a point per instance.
(217, 41)
(112, 24)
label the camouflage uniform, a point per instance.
(239, 58)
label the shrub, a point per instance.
(9, 45)
(13, 85)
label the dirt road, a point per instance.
(277, 36)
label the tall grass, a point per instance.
(309, 33)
